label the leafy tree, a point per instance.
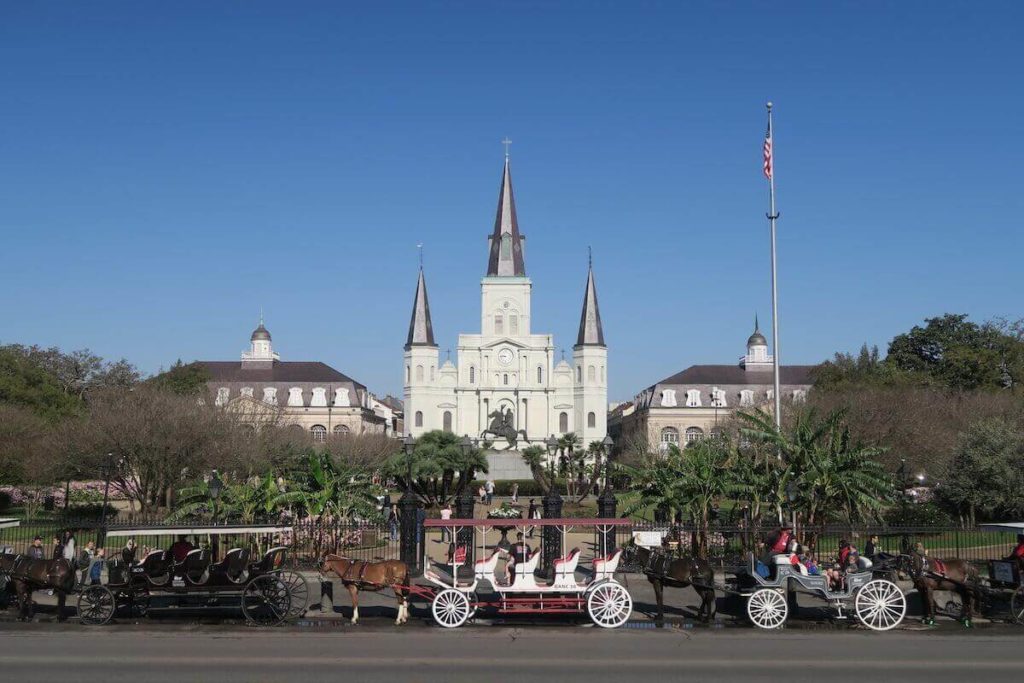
(985, 477)
(26, 383)
(183, 379)
(246, 500)
(329, 489)
(440, 469)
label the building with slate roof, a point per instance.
(695, 403)
(506, 373)
(309, 394)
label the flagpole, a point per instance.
(773, 216)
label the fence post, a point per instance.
(551, 537)
(464, 506)
(606, 509)
(410, 528)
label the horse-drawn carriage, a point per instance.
(878, 603)
(259, 584)
(458, 592)
(1006, 578)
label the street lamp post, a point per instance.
(408, 506)
(464, 506)
(215, 486)
(606, 501)
(551, 540)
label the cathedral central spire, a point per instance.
(591, 333)
(506, 253)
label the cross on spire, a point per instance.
(420, 247)
(507, 144)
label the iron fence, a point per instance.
(728, 545)
(307, 540)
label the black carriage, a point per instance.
(1005, 587)
(261, 586)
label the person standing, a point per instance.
(393, 523)
(489, 488)
(57, 551)
(35, 551)
(128, 553)
(96, 568)
(532, 512)
(446, 514)
(871, 547)
(515, 492)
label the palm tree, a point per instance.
(441, 469)
(535, 457)
(689, 481)
(821, 474)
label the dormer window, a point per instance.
(693, 398)
(295, 396)
(718, 398)
(270, 395)
(668, 398)
(799, 395)
(247, 392)
(319, 397)
(223, 394)
(746, 397)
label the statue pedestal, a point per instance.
(506, 465)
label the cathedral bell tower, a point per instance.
(505, 290)
(590, 369)
(421, 356)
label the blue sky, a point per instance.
(166, 170)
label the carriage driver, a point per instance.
(778, 543)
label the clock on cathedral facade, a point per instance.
(506, 372)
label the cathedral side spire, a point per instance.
(506, 249)
(421, 331)
(591, 333)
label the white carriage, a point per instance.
(457, 594)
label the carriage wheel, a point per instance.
(609, 605)
(451, 608)
(880, 605)
(266, 601)
(767, 608)
(137, 602)
(298, 591)
(1017, 606)
(96, 606)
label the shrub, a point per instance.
(6, 500)
(918, 514)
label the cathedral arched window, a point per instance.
(408, 374)
(431, 373)
(504, 379)
(513, 324)
(602, 373)
(419, 418)
(446, 421)
(579, 373)
(540, 375)
(419, 373)
(340, 430)
(319, 433)
(563, 422)
(591, 420)
(499, 324)
(591, 373)
(472, 375)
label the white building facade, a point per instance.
(507, 375)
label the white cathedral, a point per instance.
(508, 378)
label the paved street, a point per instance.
(55, 652)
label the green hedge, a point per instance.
(527, 487)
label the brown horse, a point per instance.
(931, 574)
(358, 575)
(677, 572)
(28, 575)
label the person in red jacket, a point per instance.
(1018, 552)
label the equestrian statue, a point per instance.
(503, 425)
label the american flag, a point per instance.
(768, 153)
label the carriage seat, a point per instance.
(529, 566)
(565, 568)
(195, 567)
(484, 569)
(459, 556)
(156, 566)
(233, 566)
(605, 567)
(272, 560)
